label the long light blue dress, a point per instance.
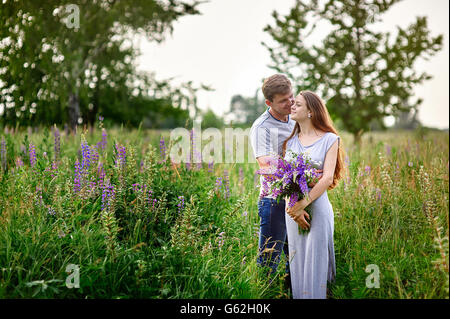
(311, 255)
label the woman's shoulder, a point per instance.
(331, 135)
(329, 139)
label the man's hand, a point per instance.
(312, 184)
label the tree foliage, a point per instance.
(364, 75)
(53, 70)
(245, 110)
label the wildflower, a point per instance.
(150, 200)
(241, 174)
(367, 169)
(77, 177)
(180, 203)
(57, 146)
(51, 211)
(121, 156)
(388, 150)
(378, 191)
(410, 164)
(210, 167)
(32, 154)
(218, 186)
(226, 183)
(19, 162)
(102, 143)
(38, 196)
(3, 153)
(101, 175)
(162, 148)
(86, 157)
(221, 239)
(245, 213)
(107, 195)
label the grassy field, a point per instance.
(136, 227)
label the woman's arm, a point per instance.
(329, 166)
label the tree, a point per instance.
(210, 119)
(363, 75)
(245, 110)
(50, 64)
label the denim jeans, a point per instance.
(272, 235)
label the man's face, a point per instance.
(282, 103)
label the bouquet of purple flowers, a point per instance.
(289, 178)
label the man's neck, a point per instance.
(278, 116)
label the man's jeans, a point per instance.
(272, 235)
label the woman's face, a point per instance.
(299, 110)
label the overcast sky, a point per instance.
(221, 48)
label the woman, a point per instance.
(311, 255)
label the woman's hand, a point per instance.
(300, 218)
(298, 206)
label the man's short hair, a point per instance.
(276, 84)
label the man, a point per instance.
(267, 135)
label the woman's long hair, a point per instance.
(320, 120)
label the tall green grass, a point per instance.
(393, 217)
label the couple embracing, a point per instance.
(302, 124)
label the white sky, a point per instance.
(221, 48)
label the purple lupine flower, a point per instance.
(347, 160)
(226, 180)
(221, 239)
(77, 177)
(241, 174)
(101, 175)
(32, 154)
(108, 195)
(104, 141)
(3, 153)
(86, 160)
(162, 148)
(210, 167)
(95, 157)
(191, 152)
(150, 200)
(51, 211)
(141, 167)
(121, 156)
(57, 146)
(54, 169)
(388, 150)
(38, 196)
(180, 204)
(218, 186)
(101, 118)
(378, 195)
(19, 162)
